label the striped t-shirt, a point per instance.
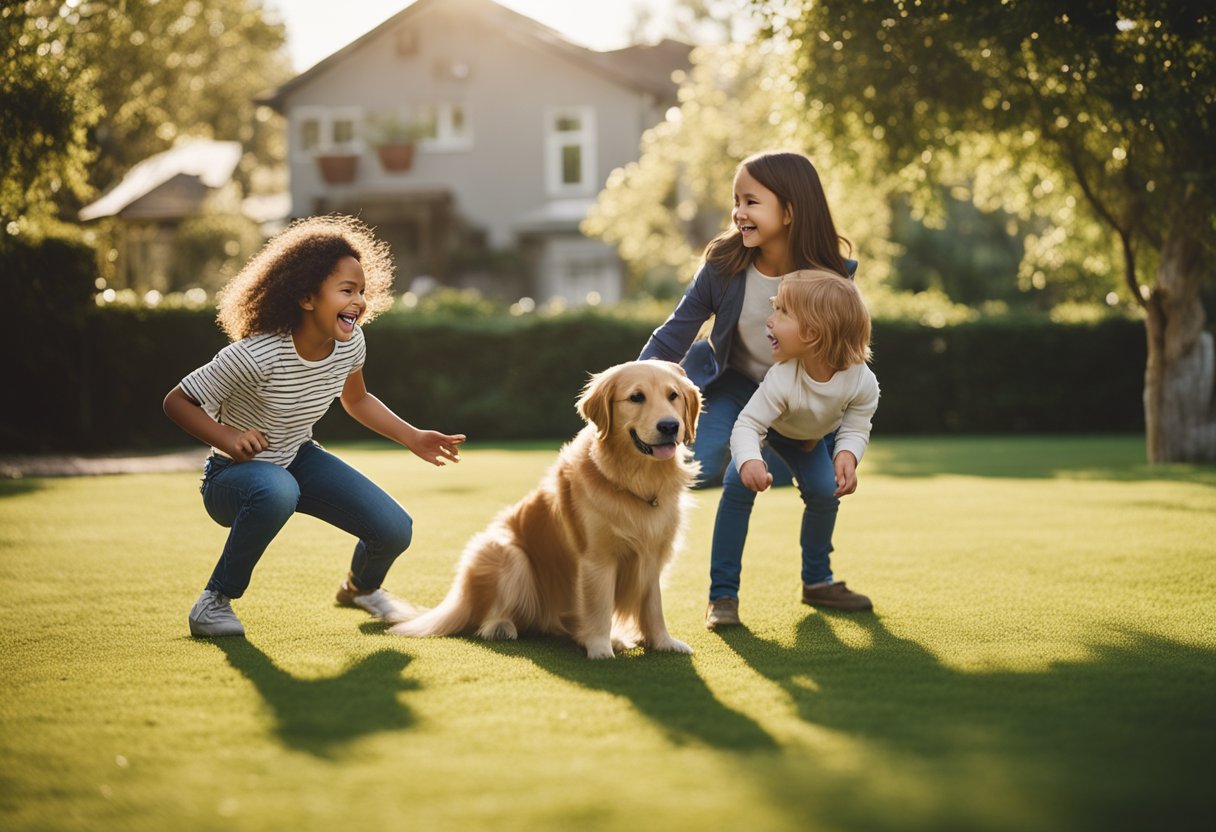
(262, 383)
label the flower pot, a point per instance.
(336, 169)
(396, 156)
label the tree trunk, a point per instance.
(1179, 408)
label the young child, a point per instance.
(293, 316)
(780, 222)
(819, 397)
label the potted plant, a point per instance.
(338, 167)
(393, 138)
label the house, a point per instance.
(514, 131)
(157, 196)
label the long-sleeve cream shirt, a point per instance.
(798, 407)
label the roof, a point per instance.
(651, 65)
(210, 162)
(644, 68)
(555, 215)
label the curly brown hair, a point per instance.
(264, 296)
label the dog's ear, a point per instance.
(595, 403)
(692, 409)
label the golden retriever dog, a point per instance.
(582, 554)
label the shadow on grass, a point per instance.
(1125, 739)
(321, 716)
(17, 486)
(1114, 458)
(664, 687)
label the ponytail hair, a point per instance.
(814, 243)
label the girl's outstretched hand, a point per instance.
(437, 448)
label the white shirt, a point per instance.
(751, 353)
(262, 383)
(798, 407)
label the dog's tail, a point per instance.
(449, 618)
(493, 593)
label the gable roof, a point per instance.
(651, 65)
(644, 68)
(210, 162)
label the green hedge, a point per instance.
(1010, 376)
(497, 378)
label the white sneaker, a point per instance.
(212, 616)
(381, 603)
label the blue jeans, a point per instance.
(724, 400)
(254, 499)
(816, 478)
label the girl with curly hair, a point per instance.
(293, 316)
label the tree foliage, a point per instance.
(47, 105)
(177, 68)
(1109, 102)
(1093, 106)
(91, 87)
(738, 99)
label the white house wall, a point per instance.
(511, 86)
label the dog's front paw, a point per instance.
(671, 645)
(600, 649)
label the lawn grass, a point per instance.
(1041, 658)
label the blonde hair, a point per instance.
(265, 295)
(831, 315)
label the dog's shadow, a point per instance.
(664, 687)
(322, 716)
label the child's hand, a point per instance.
(755, 475)
(437, 448)
(246, 445)
(846, 473)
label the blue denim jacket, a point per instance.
(710, 293)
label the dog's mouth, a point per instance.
(660, 450)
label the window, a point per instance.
(444, 127)
(322, 130)
(570, 151)
(310, 134)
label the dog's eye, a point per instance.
(638, 398)
(672, 396)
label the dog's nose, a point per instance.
(668, 427)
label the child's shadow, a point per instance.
(1122, 735)
(321, 716)
(664, 687)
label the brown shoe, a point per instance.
(835, 596)
(722, 612)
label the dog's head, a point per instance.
(651, 402)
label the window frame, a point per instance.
(447, 138)
(557, 140)
(326, 119)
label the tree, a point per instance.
(1112, 101)
(47, 106)
(172, 68)
(100, 85)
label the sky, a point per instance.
(318, 28)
